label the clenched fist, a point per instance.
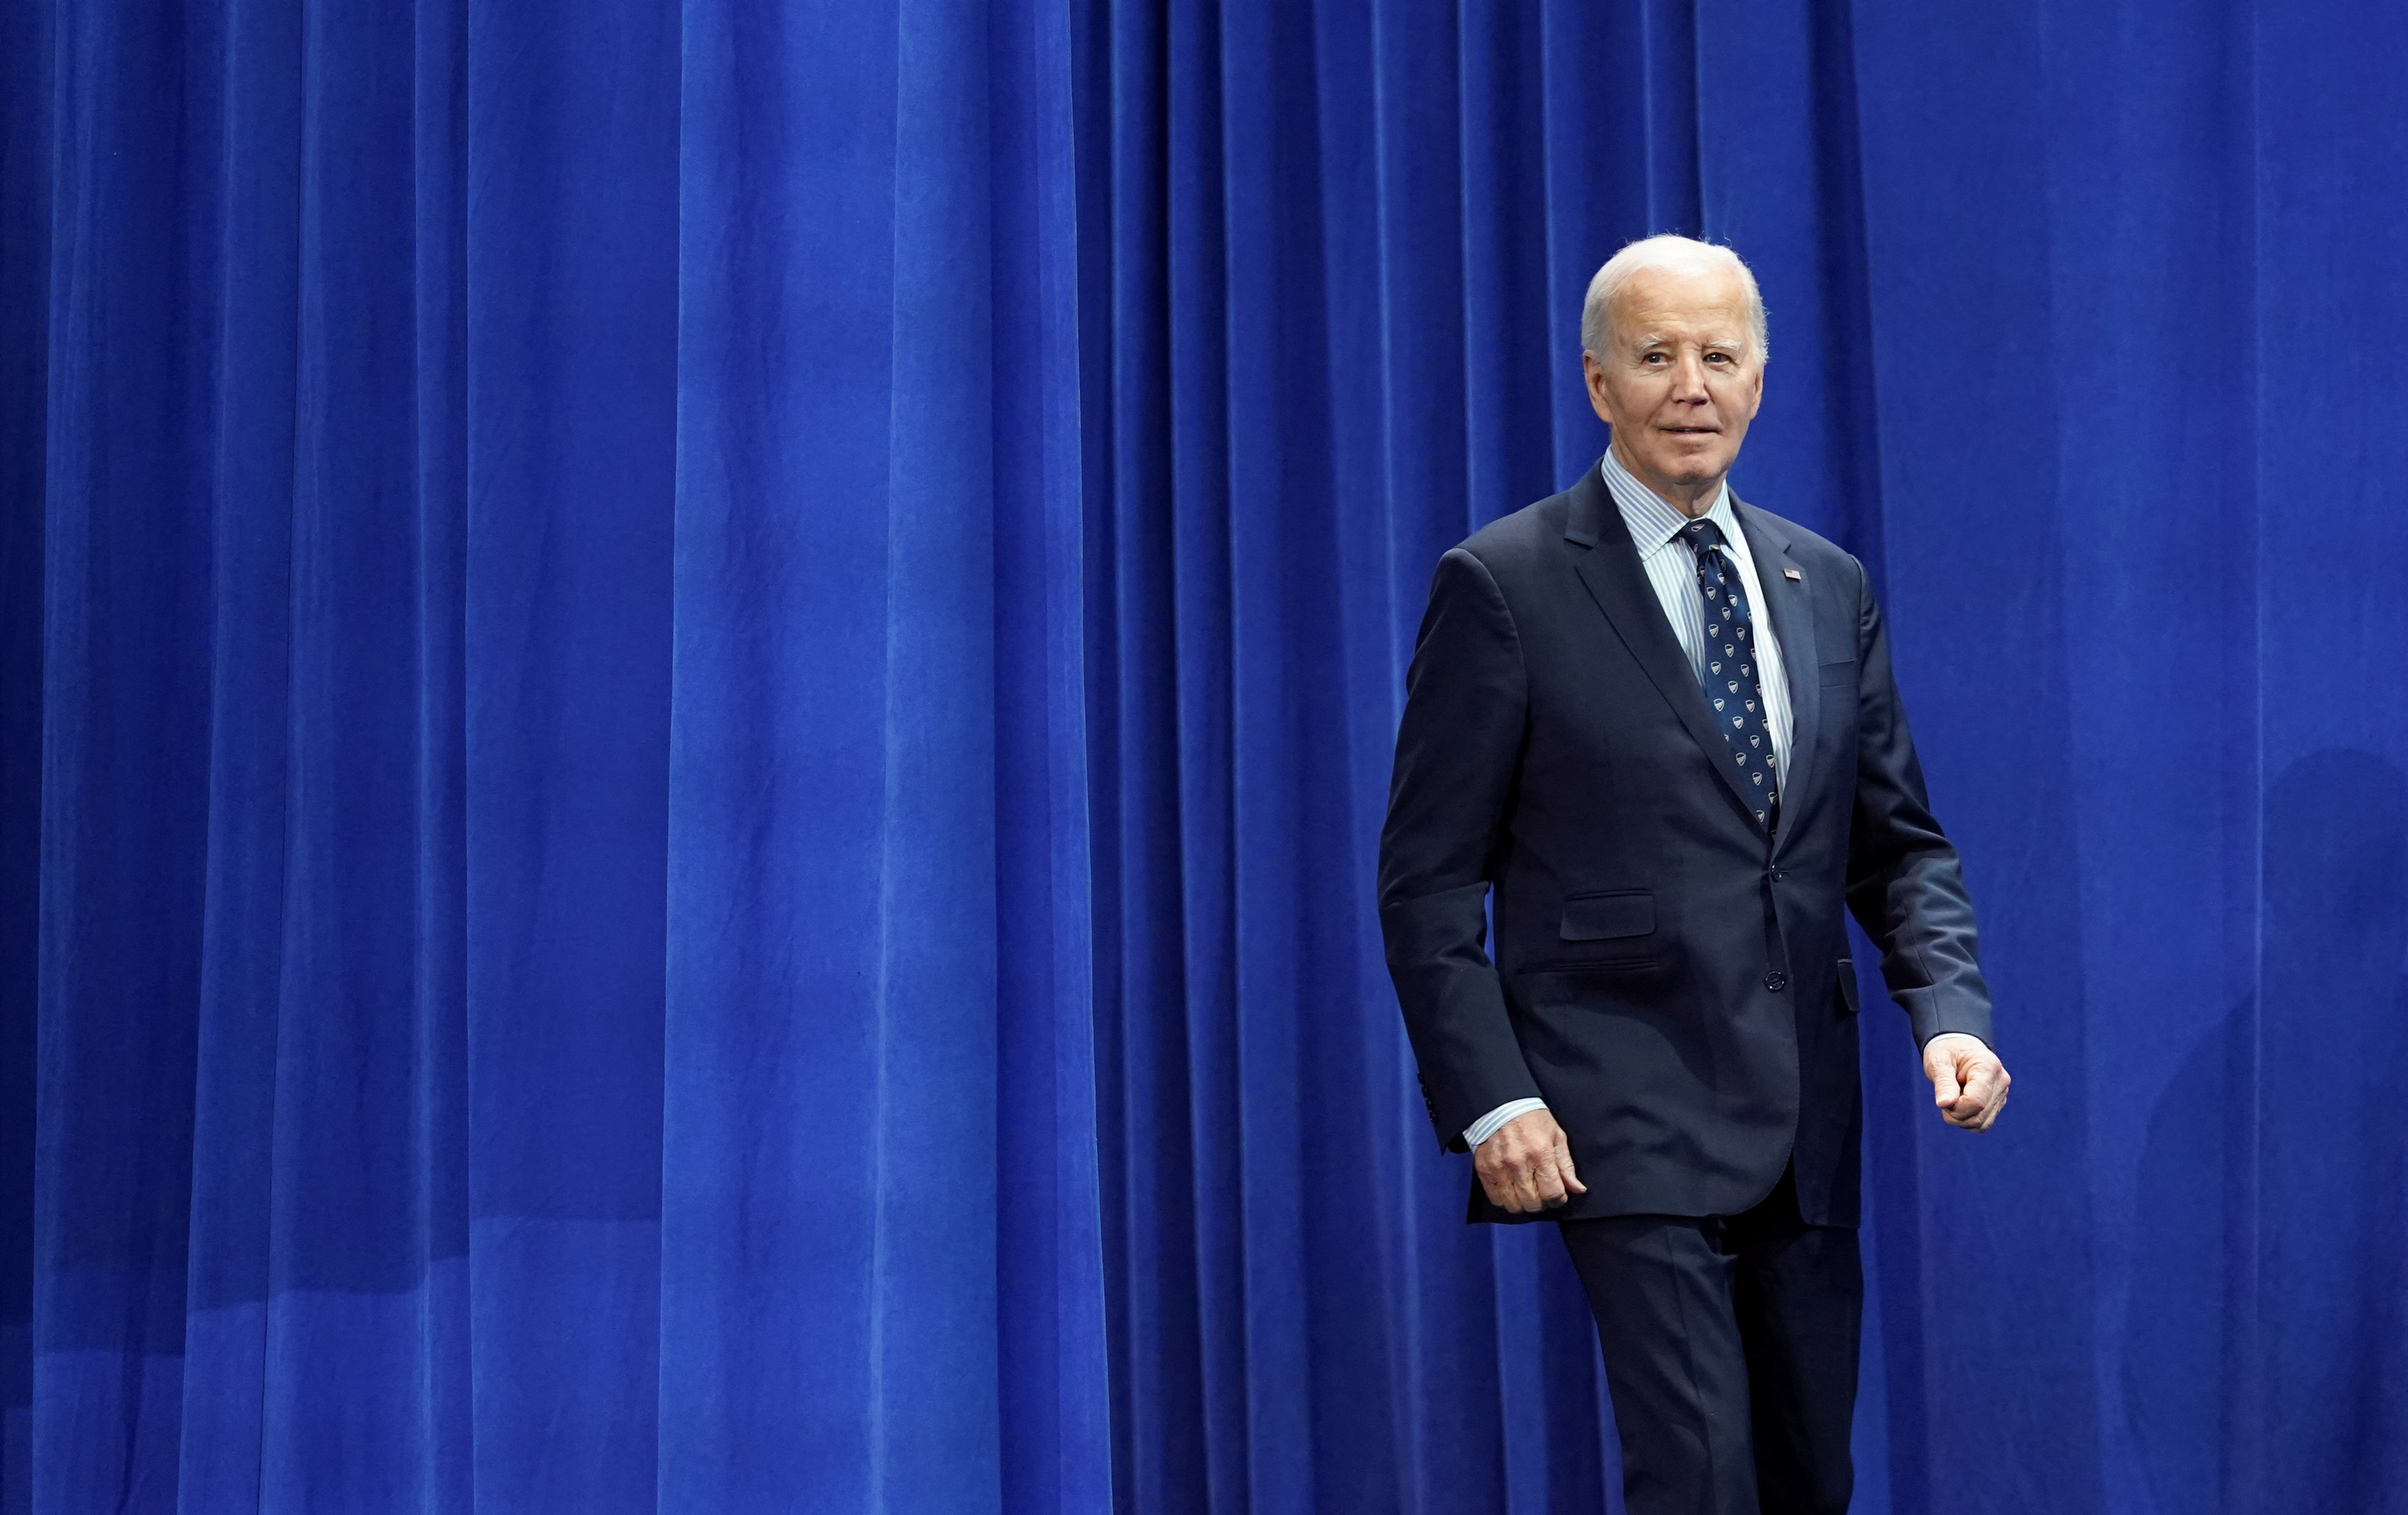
(1969, 1083)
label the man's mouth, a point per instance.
(1693, 431)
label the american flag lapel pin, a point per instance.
(1793, 573)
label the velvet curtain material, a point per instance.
(560, 873)
(693, 703)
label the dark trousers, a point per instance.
(1730, 1348)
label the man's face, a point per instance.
(1681, 379)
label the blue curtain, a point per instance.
(694, 702)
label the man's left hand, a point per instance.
(1969, 1083)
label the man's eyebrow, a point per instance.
(1657, 338)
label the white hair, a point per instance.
(1664, 251)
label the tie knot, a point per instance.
(1701, 534)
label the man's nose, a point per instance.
(1688, 378)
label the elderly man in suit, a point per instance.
(1652, 730)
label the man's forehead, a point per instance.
(1660, 303)
(1650, 328)
(1709, 280)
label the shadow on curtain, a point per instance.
(693, 704)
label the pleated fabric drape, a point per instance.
(694, 700)
(561, 849)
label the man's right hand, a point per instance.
(1525, 1166)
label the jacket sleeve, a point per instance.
(1457, 750)
(1906, 886)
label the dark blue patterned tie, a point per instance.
(1728, 676)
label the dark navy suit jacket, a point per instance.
(1670, 979)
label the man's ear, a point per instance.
(1593, 379)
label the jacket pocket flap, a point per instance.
(1596, 918)
(1847, 988)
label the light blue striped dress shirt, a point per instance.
(1671, 568)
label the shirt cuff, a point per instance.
(1487, 1125)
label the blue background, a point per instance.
(694, 702)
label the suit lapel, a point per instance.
(1610, 570)
(1790, 604)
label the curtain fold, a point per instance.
(561, 887)
(694, 701)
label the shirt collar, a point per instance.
(1653, 521)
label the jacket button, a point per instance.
(1776, 982)
(1778, 875)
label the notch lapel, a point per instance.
(1790, 605)
(1618, 586)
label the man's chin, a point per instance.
(1690, 472)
